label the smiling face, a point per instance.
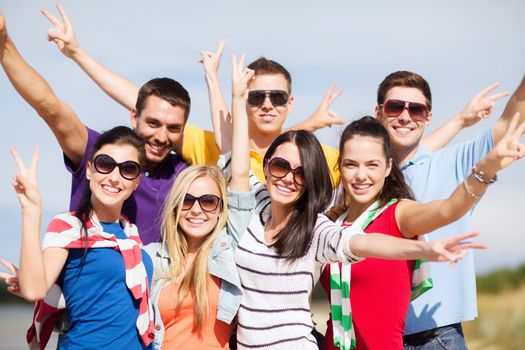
(405, 133)
(161, 125)
(364, 168)
(109, 191)
(196, 223)
(268, 119)
(284, 191)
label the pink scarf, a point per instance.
(64, 232)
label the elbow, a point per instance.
(32, 295)
(48, 108)
(358, 246)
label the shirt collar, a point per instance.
(421, 154)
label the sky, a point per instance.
(460, 47)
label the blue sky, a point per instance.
(458, 46)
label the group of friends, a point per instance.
(180, 238)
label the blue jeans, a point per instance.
(445, 338)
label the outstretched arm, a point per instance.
(348, 244)
(61, 119)
(480, 107)
(515, 105)
(387, 247)
(418, 218)
(220, 116)
(241, 76)
(117, 87)
(323, 116)
(38, 270)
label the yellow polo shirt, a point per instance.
(199, 147)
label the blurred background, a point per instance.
(459, 47)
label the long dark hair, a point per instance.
(395, 185)
(120, 135)
(293, 241)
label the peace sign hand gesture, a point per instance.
(241, 77)
(25, 183)
(62, 34)
(481, 105)
(323, 116)
(509, 148)
(212, 60)
(11, 279)
(451, 248)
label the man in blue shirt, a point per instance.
(404, 106)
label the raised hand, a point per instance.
(62, 34)
(509, 149)
(481, 105)
(11, 279)
(241, 77)
(25, 183)
(212, 60)
(452, 248)
(323, 116)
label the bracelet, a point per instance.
(481, 178)
(470, 193)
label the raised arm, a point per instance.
(418, 218)
(240, 141)
(38, 270)
(323, 116)
(117, 87)
(515, 105)
(479, 107)
(220, 116)
(61, 119)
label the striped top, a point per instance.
(275, 308)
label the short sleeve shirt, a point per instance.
(433, 176)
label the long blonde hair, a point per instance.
(193, 279)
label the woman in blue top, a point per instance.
(91, 258)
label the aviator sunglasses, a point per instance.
(104, 164)
(278, 98)
(280, 167)
(418, 112)
(207, 202)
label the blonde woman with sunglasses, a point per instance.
(196, 289)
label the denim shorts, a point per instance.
(443, 338)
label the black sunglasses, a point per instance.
(280, 167)
(207, 202)
(278, 98)
(418, 112)
(104, 164)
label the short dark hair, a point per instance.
(264, 66)
(395, 185)
(293, 241)
(404, 79)
(167, 89)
